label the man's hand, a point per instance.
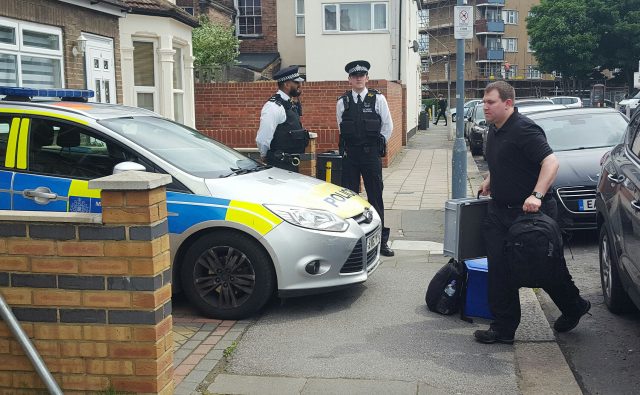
(485, 187)
(531, 205)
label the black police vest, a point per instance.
(360, 126)
(289, 136)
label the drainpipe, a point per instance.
(27, 346)
(400, 45)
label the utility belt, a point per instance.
(379, 147)
(294, 159)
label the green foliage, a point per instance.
(430, 102)
(229, 350)
(574, 36)
(214, 44)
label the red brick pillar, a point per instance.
(308, 165)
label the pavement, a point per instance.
(378, 337)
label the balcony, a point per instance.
(482, 3)
(488, 26)
(484, 54)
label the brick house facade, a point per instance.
(72, 20)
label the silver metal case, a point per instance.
(463, 231)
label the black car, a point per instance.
(474, 127)
(618, 209)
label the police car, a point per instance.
(239, 230)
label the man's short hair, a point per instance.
(505, 91)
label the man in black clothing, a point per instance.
(365, 128)
(442, 105)
(522, 168)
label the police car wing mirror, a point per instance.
(128, 166)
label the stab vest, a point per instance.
(360, 126)
(289, 136)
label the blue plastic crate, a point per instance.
(477, 301)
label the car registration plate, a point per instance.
(587, 204)
(373, 241)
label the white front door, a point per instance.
(101, 75)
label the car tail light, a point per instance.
(604, 157)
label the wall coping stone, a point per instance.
(49, 216)
(130, 181)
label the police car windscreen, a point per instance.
(581, 130)
(185, 148)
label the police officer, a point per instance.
(442, 104)
(365, 127)
(281, 139)
(522, 168)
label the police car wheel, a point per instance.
(227, 276)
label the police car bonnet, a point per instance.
(357, 67)
(288, 74)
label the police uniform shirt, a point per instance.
(271, 116)
(514, 154)
(382, 109)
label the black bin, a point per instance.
(423, 121)
(329, 167)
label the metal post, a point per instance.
(448, 114)
(27, 346)
(459, 159)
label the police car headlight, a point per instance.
(310, 218)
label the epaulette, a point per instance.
(373, 92)
(276, 99)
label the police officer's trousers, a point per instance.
(504, 299)
(365, 161)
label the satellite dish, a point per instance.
(415, 46)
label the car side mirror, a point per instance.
(482, 123)
(128, 166)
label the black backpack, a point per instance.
(533, 250)
(438, 300)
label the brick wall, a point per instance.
(72, 20)
(230, 112)
(268, 42)
(94, 299)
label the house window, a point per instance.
(249, 18)
(510, 44)
(533, 73)
(30, 55)
(300, 17)
(510, 17)
(144, 74)
(178, 87)
(355, 17)
(189, 10)
(425, 65)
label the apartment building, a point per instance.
(499, 50)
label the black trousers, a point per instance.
(504, 299)
(442, 114)
(365, 161)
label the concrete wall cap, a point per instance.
(38, 216)
(130, 181)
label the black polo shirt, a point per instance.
(514, 155)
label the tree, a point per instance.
(214, 44)
(576, 36)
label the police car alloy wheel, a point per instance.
(227, 275)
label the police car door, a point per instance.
(60, 157)
(9, 129)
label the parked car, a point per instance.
(569, 101)
(231, 220)
(631, 103)
(475, 126)
(532, 102)
(618, 210)
(467, 106)
(579, 137)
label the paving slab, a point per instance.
(256, 385)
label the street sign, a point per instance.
(463, 22)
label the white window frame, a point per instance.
(507, 47)
(237, 4)
(148, 89)
(533, 73)
(180, 49)
(18, 49)
(299, 15)
(510, 17)
(372, 30)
